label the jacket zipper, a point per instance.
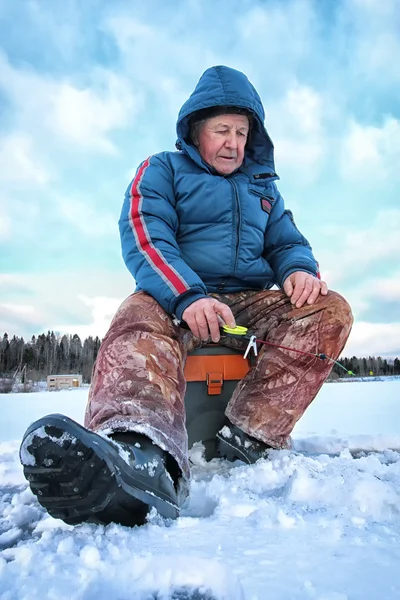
(238, 223)
(261, 194)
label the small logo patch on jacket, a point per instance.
(266, 205)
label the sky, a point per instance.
(90, 89)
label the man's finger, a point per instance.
(192, 324)
(298, 289)
(324, 288)
(202, 325)
(315, 292)
(306, 291)
(212, 323)
(288, 287)
(225, 312)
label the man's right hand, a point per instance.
(205, 316)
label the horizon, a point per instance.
(86, 93)
(58, 335)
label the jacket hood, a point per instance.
(223, 86)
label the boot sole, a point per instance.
(229, 451)
(78, 476)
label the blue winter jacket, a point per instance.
(187, 231)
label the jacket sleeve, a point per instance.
(148, 226)
(285, 248)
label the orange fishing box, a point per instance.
(211, 373)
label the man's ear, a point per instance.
(194, 134)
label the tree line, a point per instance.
(367, 367)
(47, 354)
(54, 354)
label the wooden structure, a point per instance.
(63, 382)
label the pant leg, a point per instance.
(273, 396)
(138, 382)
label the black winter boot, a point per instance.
(234, 444)
(78, 475)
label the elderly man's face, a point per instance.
(221, 142)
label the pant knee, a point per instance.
(339, 308)
(141, 312)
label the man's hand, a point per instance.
(303, 288)
(204, 318)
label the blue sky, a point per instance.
(89, 89)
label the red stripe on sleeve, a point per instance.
(143, 240)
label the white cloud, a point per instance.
(300, 132)
(370, 301)
(50, 121)
(5, 227)
(371, 153)
(373, 339)
(151, 51)
(83, 115)
(389, 289)
(20, 320)
(20, 309)
(381, 240)
(374, 29)
(19, 161)
(363, 265)
(102, 310)
(352, 249)
(80, 300)
(377, 298)
(299, 158)
(162, 59)
(305, 107)
(86, 116)
(383, 288)
(286, 33)
(87, 217)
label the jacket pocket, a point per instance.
(266, 200)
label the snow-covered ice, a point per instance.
(316, 525)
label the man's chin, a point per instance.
(227, 167)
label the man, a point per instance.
(205, 234)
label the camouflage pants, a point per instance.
(138, 382)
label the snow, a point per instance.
(315, 525)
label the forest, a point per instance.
(52, 354)
(46, 354)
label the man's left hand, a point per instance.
(303, 288)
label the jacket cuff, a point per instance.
(186, 300)
(288, 272)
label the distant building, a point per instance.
(63, 382)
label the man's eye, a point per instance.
(242, 134)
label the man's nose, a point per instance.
(231, 140)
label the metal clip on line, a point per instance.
(245, 334)
(252, 345)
